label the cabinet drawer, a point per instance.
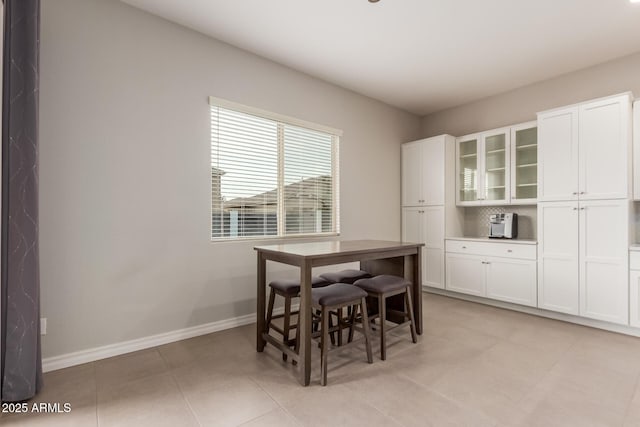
(634, 260)
(500, 249)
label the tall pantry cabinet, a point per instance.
(584, 182)
(428, 204)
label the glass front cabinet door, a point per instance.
(524, 163)
(483, 168)
(468, 162)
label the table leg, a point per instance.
(417, 290)
(304, 324)
(261, 295)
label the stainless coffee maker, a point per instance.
(503, 226)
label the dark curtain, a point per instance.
(21, 369)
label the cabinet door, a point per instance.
(604, 265)
(412, 220)
(511, 280)
(605, 149)
(558, 155)
(524, 163)
(558, 230)
(495, 181)
(433, 252)
(467, 153)
(433, 171)
(634, 298)
(636, 150)
(466, 274)
(412, 174)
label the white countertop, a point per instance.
(488, 240)
(635, 247)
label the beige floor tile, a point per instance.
(151, 401)
(129, 367)
(433, 358)
(492, 381)
(80, 416)
(231, 402)
(184, 352)
(411, 404)
(328, 406)
(567, 405)
(632, 417)
(75, 386)
(276, 418)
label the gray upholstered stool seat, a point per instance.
(383, 283)
(336, 294)
(383, 287)
(345, 276)
(292, 286)
(288, 289)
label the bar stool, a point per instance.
(383, 287)
(349, 276)
(287, 289)
(337, 297)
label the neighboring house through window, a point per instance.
(271, 175)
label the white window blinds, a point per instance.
(270, 178)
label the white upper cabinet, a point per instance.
(584, 151)
(482, 169)
(524, 163)
(423, 164)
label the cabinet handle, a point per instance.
(582, 209)
(464, 247)
(509, 250)
(575, 193)
(582, 192)
(575, 209)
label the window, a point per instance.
(271, 176)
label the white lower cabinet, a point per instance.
(583, 258)
(465, 273)
(472, 269)
(511, 280)
(425, 224)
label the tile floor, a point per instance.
(474, 366)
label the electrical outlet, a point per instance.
(43, 326)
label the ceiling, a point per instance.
(419, 55)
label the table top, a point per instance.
(337, 247)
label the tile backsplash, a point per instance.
(476, 220)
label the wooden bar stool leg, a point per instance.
(352, 320)
(272, 298)
(340, 326)
(287, 324)
(324, 342)
(414, 336)
(365, 328)
(382, 311)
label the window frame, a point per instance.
(281, 121)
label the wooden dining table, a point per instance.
(375, 256)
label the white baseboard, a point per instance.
(599, 324)
(98, 353)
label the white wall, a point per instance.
(125, 178)
(521, 105)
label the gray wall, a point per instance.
(522, 104)
(125, 173)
